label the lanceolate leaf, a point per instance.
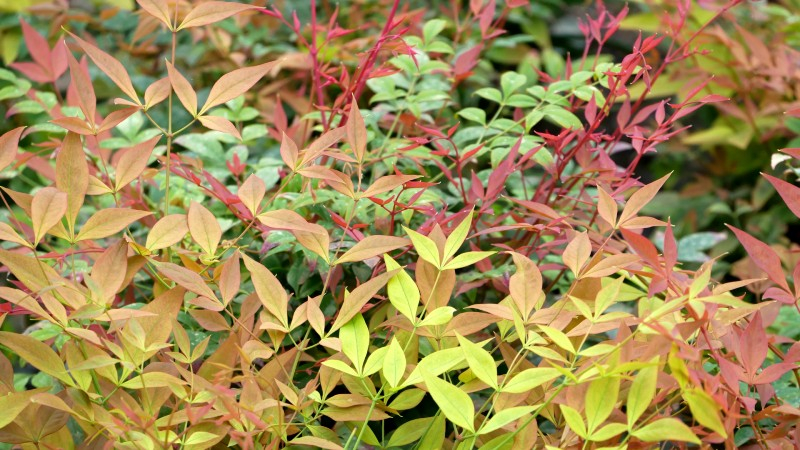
(9, 144)
(133, 162)
(480, 361)
(182, 88)
(269, 290)
(47, 208)
(110, 66)
(204, 228)
(356, 132)
(358, 298)
(37, 354)
(788, 192)
(763, 256)
(665, 430)
(251, 192)
(454, 403)
(372, 246)
(457, 237)
(168, 231)
(234, 84)
(212, 12)
(220, 124)
(72, 175)
(640, 198)
(158, 9)
(403, 292)
(109, 221)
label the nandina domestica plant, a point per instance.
(312, 250)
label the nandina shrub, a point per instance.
(538, 313)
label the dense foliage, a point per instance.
(386, 224)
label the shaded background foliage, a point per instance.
(456, 129)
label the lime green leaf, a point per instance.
(355, 341)
(37, 354)
(664, 430)
(479, 360)
(438, 316)
(600, 400)
(642, 391)
(403, 292)
(394, 364)
(705, 410)
(505, 417)
(341, 366)
(425, 247)
(574, 420)
(559, 338)
(454, 403)
(457, 237)
(529, 379)
(435, 364)
(467, 259)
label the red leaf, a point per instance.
(788, 192)
(763, 256)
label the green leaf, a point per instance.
(375, 361)
(355, 341)
(663, 430)
(409, 432)
(705, 410)
(474, 114)
(435, 364)
(37, 354)
(510, 82)
(403, 292)
(562, 117)
(394, 364)
(559, 338)
(490, 94)
(467, 259)
(479, 360)
(457, 238)
(425, 247)
(642, 391)
(454, 403)
(505, 417)
(574, 420)
(432, 29)
(601, 397)
(341, 366)
(529, 379)
(438, 316)
(607, 432)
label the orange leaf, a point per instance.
(212, 12)
(356, 132)
(234, 84)
(322, 143)
(525, 286)
(115, 118)
(110, 66)
(167, 231)
(108, 221)
(289, 152)
(187, 279)
(230, 278)
(387, 183)
(133, 162)
(109, 270)
(204, 228)
(9, 145)
(372, 246)
(72, 175)
(83, 86)
(609, 265)
(182, 89)
(74, 124)
(157, 93)
(641, 197)
(269, 290)
(157, 9)
(607, 207)
(354, 301)
(221, 124)
(251, 192)
(47, 208)
(577, 252)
